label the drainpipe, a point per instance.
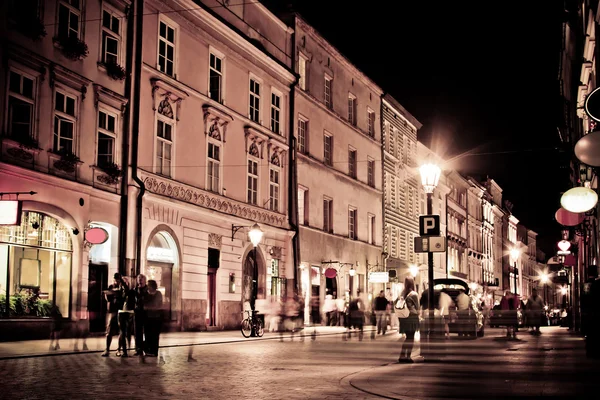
(447, 247)
(125, 157)
(293, 173)
(136, 131)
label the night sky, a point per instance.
(480, 76)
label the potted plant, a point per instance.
(115, 71)
(27, 142)
(67, 161)
(73, 48)
(112, 171)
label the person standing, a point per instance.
(126, 324)
(409, 325)
(381, 305)
(154, 316)
(115, 296)
(140, 293)
(444, 303)
(535, 306)
(508, 305)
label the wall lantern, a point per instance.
(352, 271)
(430, 175)
(579, 199)
(587, 149)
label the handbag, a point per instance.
(401, 308)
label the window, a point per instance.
(371, 123)
(111, 38)
(371, 172)
(352, 109)
(275, 112)
(69, 19)
(302, 72)
(64, 122)
(252, 182)
(352, 224)
(302, 206)
(21, 105)
(214, 165)
(164, 143)
(273, 189)
(352, 163)
(371, 229)
(328, 149)
(254, 100)
(107, 125)
(328, 99)
(302, 135)
(215, 78)
(328, 215)
(166, 49)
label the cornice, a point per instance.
(387, 99)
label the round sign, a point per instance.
(592, 105)
(330, 273)
(568, 218)
(96, 235)
(579, 199)
(587, 149)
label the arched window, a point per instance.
(162, 266)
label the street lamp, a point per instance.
(255, 235)
(514, 254)
(430, 175)
(544, 279)
(414, 270)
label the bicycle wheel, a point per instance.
(246, 328)
(260, 330)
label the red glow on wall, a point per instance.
(96, 235)
(10, 212)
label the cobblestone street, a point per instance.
(552, 364)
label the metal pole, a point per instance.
(430, 296)
(515, 276)
(254, 290)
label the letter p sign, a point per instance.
(429, 225)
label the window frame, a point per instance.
(370, 172)
(328, 92)
(209, 169)
(164, 120)
(328, 154)
(274, 186)
(109, 32)
(352, 109)
(303, 217)
(220, 55)
(302, 144)
(273, 108)
(371, 122)
(257, 109)
(115, 135)
(352, 162)
(72, 10)
(371, 227)
(256, 179)
(327, 214)
(352, 223)
(163, 19)
(18, 96)
(65, 116)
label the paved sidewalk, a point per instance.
(39, 348)
(551, 364)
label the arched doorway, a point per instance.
(35, 267)
(253, 278)
(162, 265)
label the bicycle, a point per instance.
(252, 324)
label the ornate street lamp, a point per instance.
(430, 175)
(414, 270)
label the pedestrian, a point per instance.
(356, 316)
(445, 302)
(463, 306)
(81, 330)
(140, 293)
(509, 314)
(55, 327)
(115, 297)
(535, 306)
(381, 306)
(409, 325)
(154, 316)
(329, 309)
(126, 324)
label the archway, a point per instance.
(251, 258)
(163, 266)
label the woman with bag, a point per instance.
(407, 309)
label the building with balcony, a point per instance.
(457, 225)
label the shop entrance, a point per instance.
(97, 283)
(213, 265)
(162, 267)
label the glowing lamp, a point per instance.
(414, 270)
(544, 278)
(430, 175)
(255, 234)
(10, 212)
(563, 291)
(515, 253)
(579, 199)
(564, 245)
(352, 271)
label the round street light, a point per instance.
(255, 234)
(579, 199)
(563, 291)
(544, 278)
(515, 253)
(414, 270)
(430, 175)
(352, 271)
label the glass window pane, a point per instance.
(63, 21)
(102, 120)
(163, 30)
(111, 123)
(66, 129)
(171, 35)
(74, 22)
(70, 106)
(112, 45)
(59, 101)
(15, 82)
(115, 25)
(168, 129)
(105, 19)
(63, 282)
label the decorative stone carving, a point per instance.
(276, 252)
(215, 122)
(213, 131)
(164, 108)
(212, 201)
(214, 241)
(254, 150)
(275, 160)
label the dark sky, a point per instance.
(480, 76)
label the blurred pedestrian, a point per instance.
(55, 327)
(329, 309)
(126, 324)
(535, 306)
(154, 317)
(140, 293)
(409, 325)
(509, 305)
(356, 316)
(381, 306)
(81, 331)
(445, 302)
(115, 297)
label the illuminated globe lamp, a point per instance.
(430, 175)
(579, 199)
(414, 270)
(563, 291)
(352, 271)
(255, 234)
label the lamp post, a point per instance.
(514, 254)
(430, 175)
(544, 279)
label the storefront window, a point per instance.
(35, 267)
(161, 257)
(275, 283)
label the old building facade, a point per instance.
(337, 127)
(457, 225)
